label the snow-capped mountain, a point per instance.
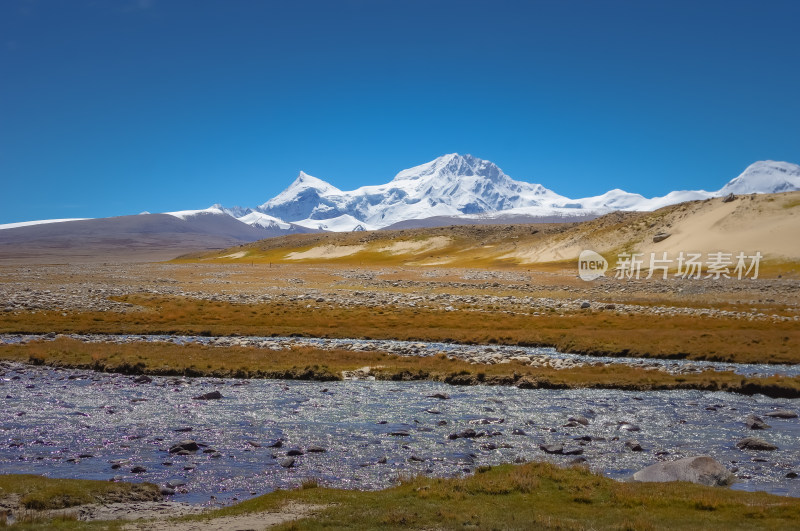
(451, 185)
(457, 187)
(765, 177)
(465, 187)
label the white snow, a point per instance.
(343, 223)
(621, 200)
(765, 177)
(258, 219)
(183, 214)
(37, 222)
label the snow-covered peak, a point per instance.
(765, 177)
(304, 186)
(305, 181)
(451, 166)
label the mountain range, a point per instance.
(452, 189)
(461, 188)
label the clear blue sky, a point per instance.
(111, 107)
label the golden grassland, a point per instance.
(308, 363)
(588, 332)
(527, 496)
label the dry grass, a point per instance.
(588, 332)
(314, 364)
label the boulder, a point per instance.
(440, 396)
(213, 395)
(469, 433)
(702, 469)
(633, 445)
(754, 443)
(756, 423)
(782, 414)
(187, 445)
(552, 448)
(728, 198)
(661, 236)
(579, 420)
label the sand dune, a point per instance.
(768, 224)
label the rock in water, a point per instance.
(633, 445)
(213, 395)
(440, 396)
(702, 469)
(187, 445)
(756, 423)
(754, 443)
(782, 414)
(552, 448)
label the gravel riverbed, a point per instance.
(262, 435)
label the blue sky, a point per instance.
(119, 106)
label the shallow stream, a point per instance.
(372, 431)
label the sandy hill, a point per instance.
(769, 224)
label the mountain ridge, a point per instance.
(457, 187)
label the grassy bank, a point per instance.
(533, 496)
(586, 332)
(40, 493)
(324, 365)
(38, 500)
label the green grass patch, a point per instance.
(40, 493)
(531, 496)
